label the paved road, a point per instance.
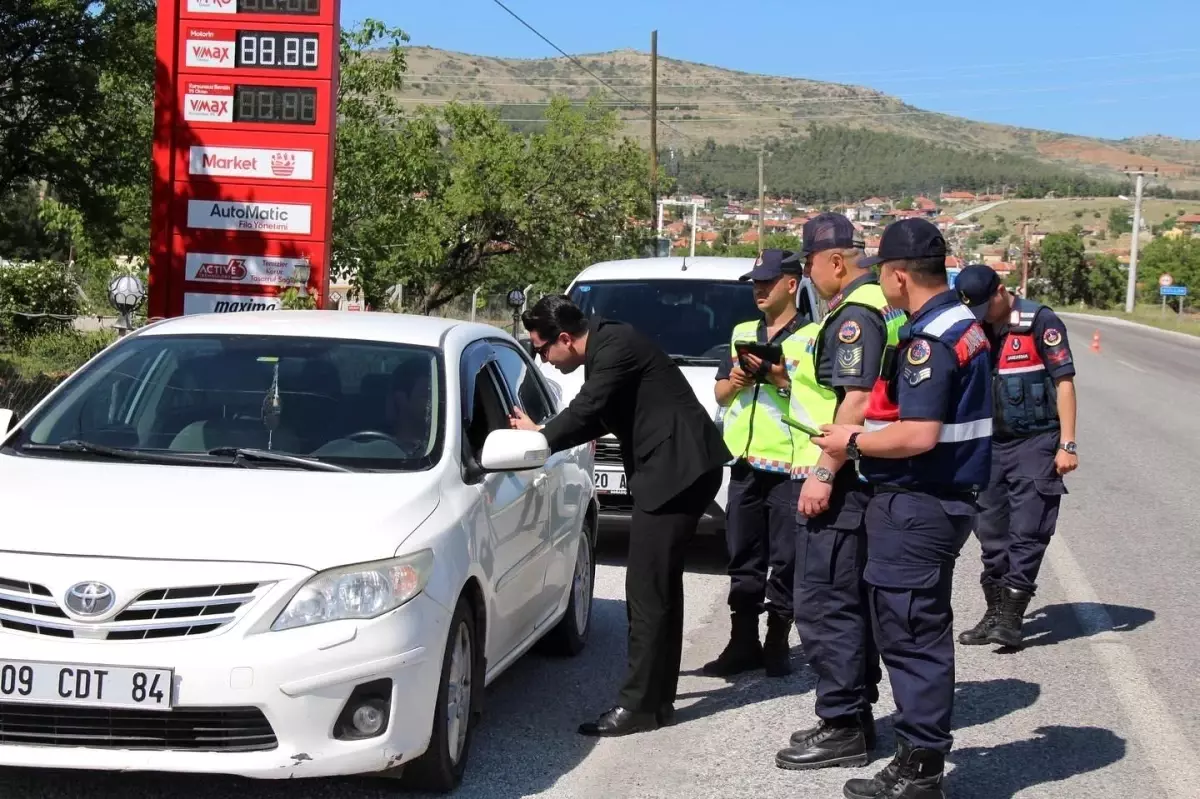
(1103, 703)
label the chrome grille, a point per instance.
(608, 451)
(159, 613)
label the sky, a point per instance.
(1098, 68)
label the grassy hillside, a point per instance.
(702, 102)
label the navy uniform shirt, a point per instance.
(798, 321)
(852, 345)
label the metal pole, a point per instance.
(658, 230)
(694, 205)
(762, 204)
(475, 301)
(654, 118)
(1025, 264)
(528, 289)
(1131, 287)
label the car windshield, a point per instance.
(243, 399)
(690, 319)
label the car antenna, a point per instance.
(683, 266)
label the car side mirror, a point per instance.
(514, 451)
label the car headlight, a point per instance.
(357, 592)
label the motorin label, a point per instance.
(210, 49)
(252, 217)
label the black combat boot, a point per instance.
(978, 634)
(1007, 629)
(744, 651)
(837, 742)
(913, 774)
(865, 717)
(777, 655)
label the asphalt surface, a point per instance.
(1101, 703)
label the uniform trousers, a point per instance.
(833, 617)
(761, 536)
(913, 539)
(1019, 510)
(658, 543)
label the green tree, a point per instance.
(1179, 258)
(1105, 282)
(1119, 222)
(1063, 271)
(991, 236)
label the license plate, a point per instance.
(610, 481)
(85, 686)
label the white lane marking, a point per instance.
(1131, 366)
(1168, 750)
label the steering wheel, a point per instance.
(363, 436)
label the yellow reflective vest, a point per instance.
(752, 423)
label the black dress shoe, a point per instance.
(665, 715)
(619, 721)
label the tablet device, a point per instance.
(768, 353)
(790, 422)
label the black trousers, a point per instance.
(1019, 510)
(658, 544)
(761, 536)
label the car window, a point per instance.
(523, 382)
(489, 409)
(369, 405)
(688, 318)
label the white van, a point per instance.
(689, 305)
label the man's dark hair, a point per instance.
(926, 271)
(552, 315)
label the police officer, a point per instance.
(926, 448)
(1033, 446)
(761, 506)
(834, 383)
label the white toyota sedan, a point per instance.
(283, 544)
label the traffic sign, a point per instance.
(244, 125)
(1173, 291)
(1166, 280)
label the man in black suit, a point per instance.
(673, 455)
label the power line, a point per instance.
(579, 64)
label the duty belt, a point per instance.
(938, 492)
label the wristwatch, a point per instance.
(852, 447)
(1068, 447)
(823, 474)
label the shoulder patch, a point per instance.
(850, 361)
(915, 377)
(849, 332)
(919, 352)
(1052, 337)
(973, 341)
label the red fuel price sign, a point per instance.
(245, 117)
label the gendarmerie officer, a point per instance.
(926, 449)
(760, 532)
(833, 383)
(1033, 446)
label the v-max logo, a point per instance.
(211, 52)
(210, 107)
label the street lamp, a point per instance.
(516, 301)
(126, 293)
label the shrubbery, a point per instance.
(30, 289)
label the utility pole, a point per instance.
(654, 116)
(1131, 286)
(762, 203)
(1025, 263)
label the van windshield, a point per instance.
(689, 319)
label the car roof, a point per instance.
(704, 267)
(392, 328)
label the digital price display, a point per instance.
(309, 8)
(289, 105)
(276, 50)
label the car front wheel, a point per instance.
(570, 636)
(442, 766)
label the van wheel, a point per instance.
(570, 636)
(442, 766)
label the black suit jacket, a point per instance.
(633, 390)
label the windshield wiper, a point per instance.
(73, 445)
(693, 360)
(241, 455)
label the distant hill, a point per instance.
(748, 110)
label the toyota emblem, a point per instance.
(90, 599)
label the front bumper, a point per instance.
(299, 679)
